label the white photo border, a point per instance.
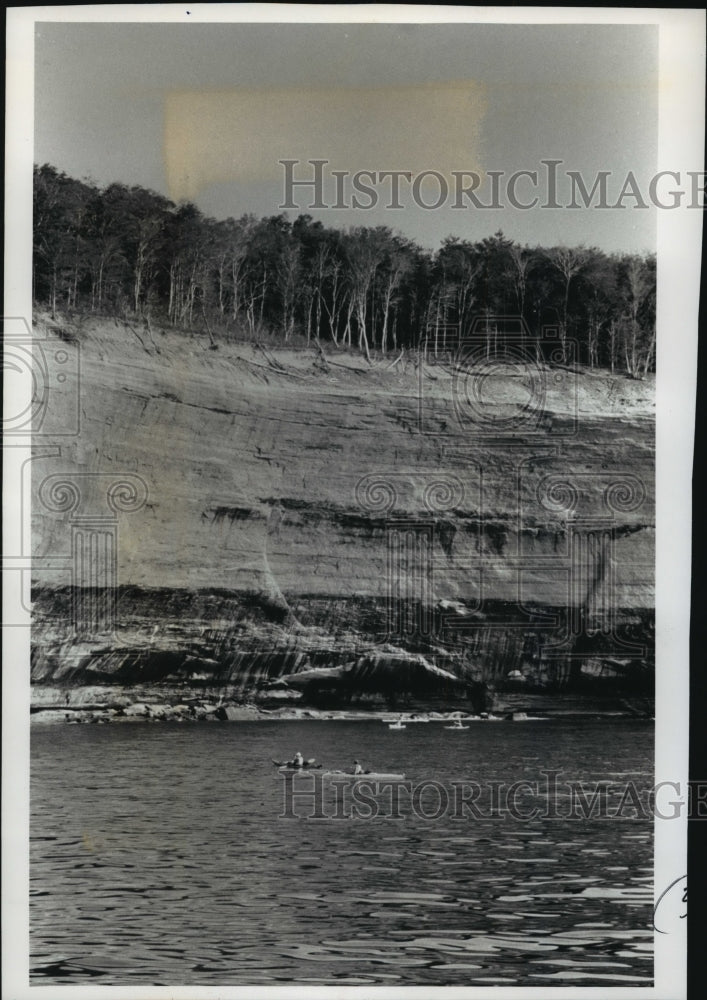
(681, 147)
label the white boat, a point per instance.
(396, 725)
(457, 725)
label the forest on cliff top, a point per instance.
(129, 252)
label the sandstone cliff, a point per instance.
(240, 514)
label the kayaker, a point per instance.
(357, 768)
(298, 760)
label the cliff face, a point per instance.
(235, 515)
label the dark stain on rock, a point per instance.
(446, 531)
(231, 513)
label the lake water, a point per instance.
(160, 856)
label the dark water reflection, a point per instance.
(158, 858)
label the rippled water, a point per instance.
(157, 857)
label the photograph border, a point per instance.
(679, 245)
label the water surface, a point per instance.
(159, 856)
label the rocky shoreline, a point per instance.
(105, 705)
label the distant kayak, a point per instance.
(286, 768)
(365, 776)
(456, 727)
(290, 765)
(396, 725)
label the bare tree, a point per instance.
(569, 261)
(638, 287)
(398, 266)
(364, 253)
(521, 259)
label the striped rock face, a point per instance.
(232, 517)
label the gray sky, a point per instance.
(206, 111)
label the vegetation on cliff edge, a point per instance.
(127, 251)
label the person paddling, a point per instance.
(298, 760)
(357, 768)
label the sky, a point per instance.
(205, 112)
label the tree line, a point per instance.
(127, 251)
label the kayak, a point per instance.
(366, 776)
(396, 725)
(456, 727)
(289, 765)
